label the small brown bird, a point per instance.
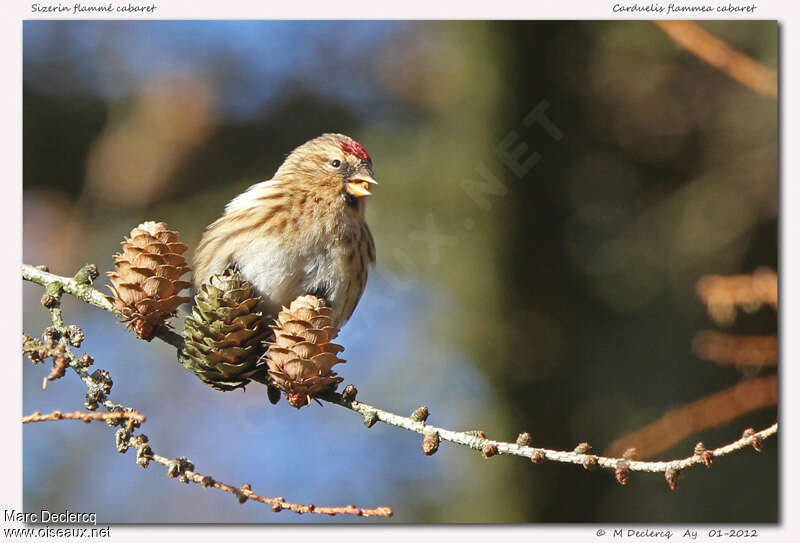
(302, 232)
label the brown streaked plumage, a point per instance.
(302, 232)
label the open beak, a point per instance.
(358, 186)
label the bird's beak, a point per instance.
(357, 186)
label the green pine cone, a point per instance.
(223, 334)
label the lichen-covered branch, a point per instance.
(476, 440)
(80, 286)
(488, 447)
(58, 343)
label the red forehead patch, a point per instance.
(352, 147)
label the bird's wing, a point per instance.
(222, 237)
(253, 195)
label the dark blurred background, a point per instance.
(555, 297)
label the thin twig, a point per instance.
(244, 493)
(473, 440)
(84, 416)
(487, 447)
(720, 55)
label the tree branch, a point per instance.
(736, 65)
(81, 290)
(99, 384)
(84, 291)
(475, 440)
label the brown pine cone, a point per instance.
(301, 356)
(146, 279)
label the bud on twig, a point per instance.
(489, 450)
(671, 475)
(524, 439)
(48, 300)
(582, 448)
(103, 380)
(590, 462)
(755, 441)
(370, 418)
(85, 360)
(430, 444)
(34, 348)
(93, 398)
(50, 336)
(621, 472)
(704, 454)
(241, 497)
(178, 467)
(143, 451)
(122, 439)
(87, 274)
(75, 335)
(349, 393)
(420, 414)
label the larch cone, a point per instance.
(146, 281)
(300, 357)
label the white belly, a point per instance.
(280, 273)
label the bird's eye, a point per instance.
(336, 162)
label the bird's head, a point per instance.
(331, 161)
